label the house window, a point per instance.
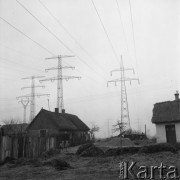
(43, 132)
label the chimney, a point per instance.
(63, 111)
(176, 96)
(57, 111)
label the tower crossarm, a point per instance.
(24, 102)
(55, 68)
(61, 78)
(123, 80)
(70, 77)
(34, 77)
(60, 56)
(31, 87)
(29, 95)
(122, 69)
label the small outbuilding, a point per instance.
(166, 117)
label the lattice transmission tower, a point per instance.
(125, 118)
(24, 103)
(60, 78)
(32, 95)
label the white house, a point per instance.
(166, 117)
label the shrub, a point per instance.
(50, 153)
(145, 149)
(122, 150)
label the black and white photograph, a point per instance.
(89, 89)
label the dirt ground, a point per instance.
(86, 168)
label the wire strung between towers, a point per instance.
(59, 40)
(26, 36)
(114, 52)
(67, 31)
(119, 12)
(132, 25)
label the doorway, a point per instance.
(171, 134)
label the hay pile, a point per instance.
(115, 142)
(89, 150)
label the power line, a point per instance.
(119, 12)
(26, 36)
(36, 62)
(132, 25)
(114, 52)
(19, 64)
(14, 69)
(61, 42)
(22, 54)
(66, 30)
(19, 52)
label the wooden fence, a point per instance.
(23, 146)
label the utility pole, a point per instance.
(60, 78)
(24, 104)
(108, 129)
(124, 102)
(48, 105)
(32, 95)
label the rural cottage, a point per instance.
(63, 126)
(166, 117)
(48, 130)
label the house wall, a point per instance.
(177, 127)
(36, 133)
(161, 132)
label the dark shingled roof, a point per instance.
(166, 112)
(61, 121)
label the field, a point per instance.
(85, 167)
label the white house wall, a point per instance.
(161, 132)
(177, 127)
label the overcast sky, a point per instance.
(74, 28)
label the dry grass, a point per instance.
(89, 168)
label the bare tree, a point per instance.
(11, 121)
(119, 126)
(95, 128)
(12, 125)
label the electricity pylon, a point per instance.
(32, 95)
(125, 119)
(24, 104)
(60, 78)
